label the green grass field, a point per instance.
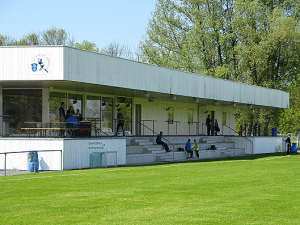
(250, 190)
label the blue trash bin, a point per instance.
(33, 159)
(294, 148)
(274, 131)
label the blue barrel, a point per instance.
(33, 159)
(294, 148)
(120, 133)
(274, 131)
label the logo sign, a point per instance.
(34, 67)
(40, 64)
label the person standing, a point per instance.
(288, 141)
(188, 148)
(120, 118)
(62, 118)
(196, 147)
(217, 128)
(160, 142)
(208, 125)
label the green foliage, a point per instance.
(250, 41)
(289, 119)
(86, 45)
(30, 39)
(248, 190)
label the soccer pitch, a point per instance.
(260, 189)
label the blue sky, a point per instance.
(98, 21)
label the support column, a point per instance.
(45, 105)
(84, 104)
(114, 114)
(1, 110)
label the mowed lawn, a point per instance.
(250, 190)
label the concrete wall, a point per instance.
(76, 152)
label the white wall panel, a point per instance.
(83, 66)
(15, 63)
(76, 152)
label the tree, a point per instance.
(30, 39)
(124, 51)
(289, 119)
(6, 40)
(55, 36)
(86, 45)
(251, 41)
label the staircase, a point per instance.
(144, 150)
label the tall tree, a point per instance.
(30, 39)
(251, 41)
(55, 36)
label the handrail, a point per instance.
(251, 142)
(158, 134)
(229, 128)
(238, 137)
(61, 161)
(172, 123)
(148, 121)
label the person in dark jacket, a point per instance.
(288, 141)
(121, 120)
(217, 128)
(160, 142)
(208, 125)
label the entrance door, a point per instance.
(138, 118)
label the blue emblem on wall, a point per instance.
(34, 67)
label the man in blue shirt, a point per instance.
(160, 142)
(72, 122)
(188, 148)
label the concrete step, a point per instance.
(141, 141)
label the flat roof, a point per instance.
(69, 68)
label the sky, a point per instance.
(98, 21)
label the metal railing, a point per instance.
(247, 140)
(143, 124)
(5, 153)
(172, 123)
(154, 133)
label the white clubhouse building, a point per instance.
(34, 80)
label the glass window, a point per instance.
(107, 119)
(190, 116)
(224, 118)
(54, 103)
(125, 105)
(21, 106)
(75, 100)
(171, 115)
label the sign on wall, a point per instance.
(40, 64)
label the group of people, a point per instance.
(188, 146)
(70, 118)
(209, 125)
(189, 149)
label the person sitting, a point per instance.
(72, 123)
(70, 111)
(160, 142)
